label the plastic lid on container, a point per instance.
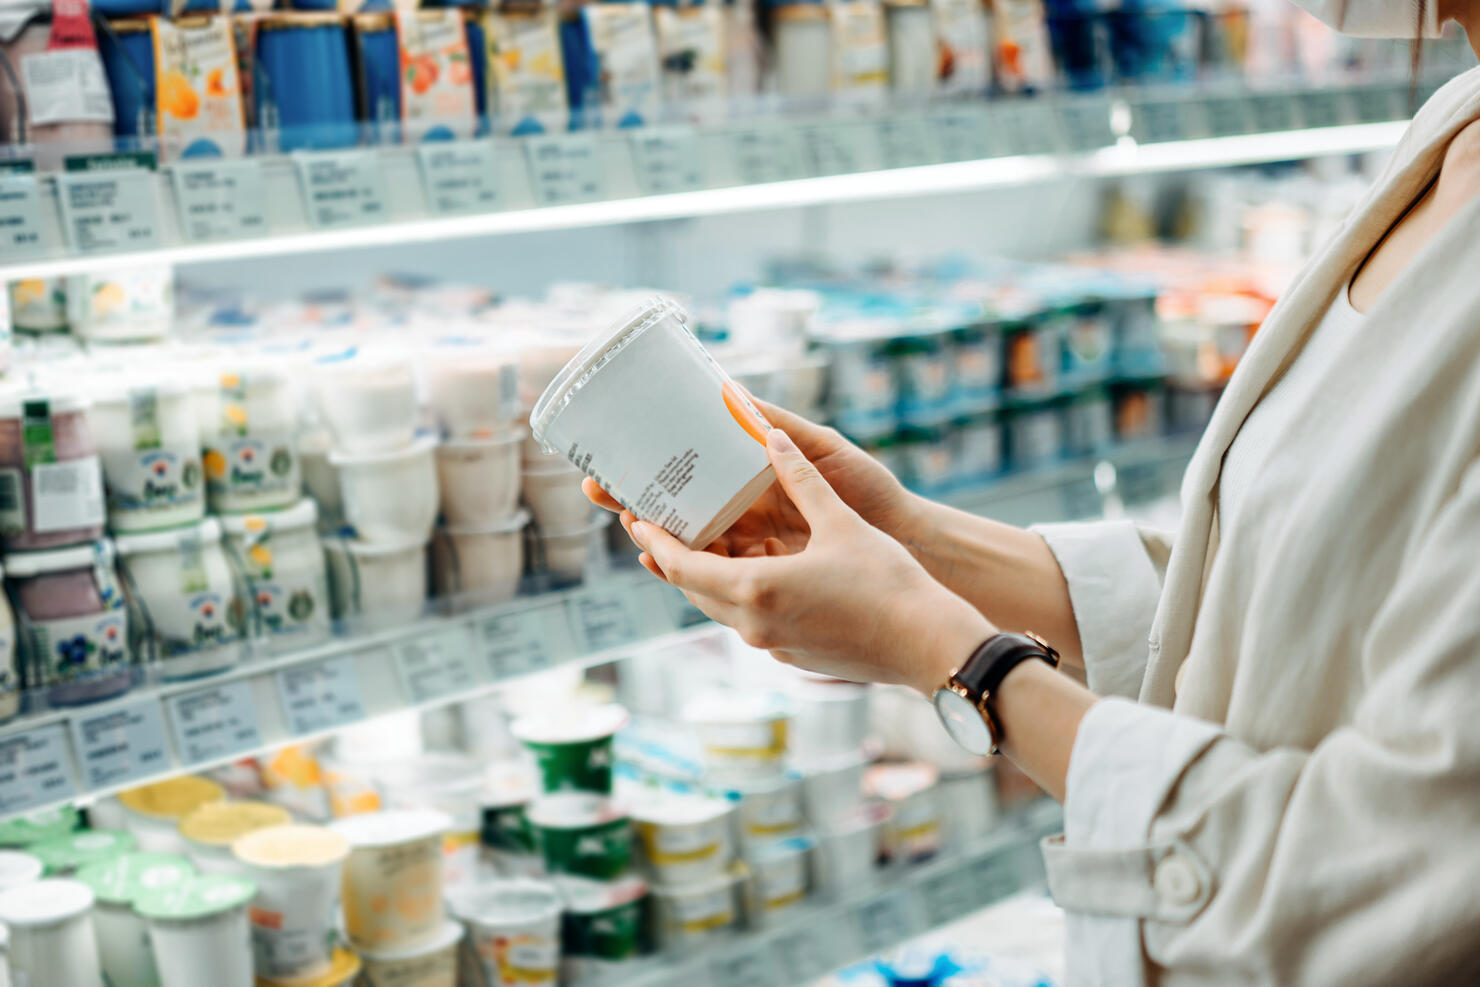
(34, 827)
(393, 826)
(207, 530)
(570, 725)
(344, 965)
(680, 811)
(514, 523)
(519, 901)
(447, 936)
(200, 896)
(24, 565)
(573, 810)
(78, 849)
(19, 868)
(173, 798)
(733, 707)
(45, 902)
(421, 446)
(634, 324)
(220, 824)
(124, 878)
(13, 401)
(771, 850)
(303, 514)
(509, 436)
(292, 845)
(587, 897)
(376, 549)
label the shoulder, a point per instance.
(1460, 96)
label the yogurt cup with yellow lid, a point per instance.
(152, 813)
(211, 829)
(297, 871)
(344, 967)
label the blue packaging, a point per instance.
(478, 62)
(302, 84)
(378, 65)
(127, 50)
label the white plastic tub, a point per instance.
(51, 934)
(646, 411)
(199, 931)
(472, 387)
(123, 934)
(247, 418)
(555, 498)
(393, 881)
(148, 439)
(914, 829)
(768, 808)
(780, 877)
(479, 479)
(381, 584)
(830, 717)
(688, 914)
(428, 964)
(685, 840)
(832, 787)
(514, 929)
(849, 849)
(367, 399)
(451, 784)
(481, 562)
(297, 873)
(566, 555)
(284, 562)
(390, 496)
(743, 735)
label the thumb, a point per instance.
(801, 480)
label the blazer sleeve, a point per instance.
(1352, 863)
(1114, 570)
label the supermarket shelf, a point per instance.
(215, 211)
(905, 901)
(153, 732)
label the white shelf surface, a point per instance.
(515, 185)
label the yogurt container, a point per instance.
(479, 478)
(187, 595)
(686, 914)
(344, 970)
(38, 304)
(768, 808)
(74, 628)
(472, 388)
(247, 423)
(832, 787)
(18, 868)
(684, 840)
(849, 849)
(432, 963)
(913, 832)
(451, 784)
(148, 440)
(483, 562)
(514, 930)
(581, 834)
(198, 929)
(152, 813)
(297, 873)
(968, 807)
(43, 824)
(50, 477)
(210, 830)
(780, 876)
(366, 398)
(602, 928)
(123, 935)
(65, 855)
(320, 478)
(392, 889)
(573, 745)
(829, 718)
(690, 457)
(122, 304)
(286, 573)
(390, 496)
(555, 498)
(743, 735)
(382, 584)
(566, 556)
(51, 934)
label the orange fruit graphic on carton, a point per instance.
(177, 97)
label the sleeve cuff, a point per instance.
(1114, 588)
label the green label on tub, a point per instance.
(601, 850)
(582, 766)
(609, 934)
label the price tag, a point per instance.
(320, 695)
(220, 200)
(515, 643)
(341, 188)
(437, 665)
(1227, 115)
(1086, 124)
(20, 215)
(946, 897)
(743, 968)
(34, 769)
(1379, 104)
(458, 177)
(603, 619)
(766, 153)
(564, 168)
(108, 202)
(885, 921)
(906, 141)
(214, 722)
(1272, 112)
(838, 148)
(803, 955)
(993, 877)
(1322, 108)
(120, 744)
(1154, 121)
(667, 160)
(962, 134)
(1031, 123)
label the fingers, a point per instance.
(599, 497)
(801, 480)
(690, 570)
(806, 433)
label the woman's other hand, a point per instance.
(845, 599)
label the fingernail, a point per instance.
(780, 441)
(639, 533)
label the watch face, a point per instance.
(963, 722)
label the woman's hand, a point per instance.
(845, 599)
(774, 525)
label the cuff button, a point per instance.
(1175, 881)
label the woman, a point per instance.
(1295, 796)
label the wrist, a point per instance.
(916, 527)
(949, 642)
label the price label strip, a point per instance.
(220, 200)
(438, 665)
(885, 921)
(1032, 123)
(564, 169)
(743, 968)
(320, 695)
(20, 216)
(34, 769)
(962, 134)
(804, 955)
(516, 643)
(1323, 108)
(120, 744)
(109, 202)
(1379, 104)
(766, 153)
(1227, 116)
(994, 877)
(459, 177)
(906, 142)
(1086, 124)
(667, 161)
(342, 188)
(1156, 121)
(946, 897)
(837, 148)
(215, 722)
(1272, 112)
(603, 619)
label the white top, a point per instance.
(1261, 430)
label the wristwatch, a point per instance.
(964, 703)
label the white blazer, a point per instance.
(1295, 799)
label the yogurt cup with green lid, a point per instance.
(65, 854)
(123, 934)
(202, 896)
(198, 931)
(123, 879)
(573, 746)
(33, 827)
(581, 834)
(603, 925)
